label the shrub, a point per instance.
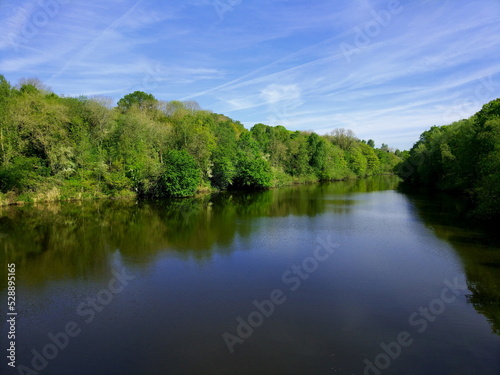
(253, 174)
(182, 175)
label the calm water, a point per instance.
(339, 278)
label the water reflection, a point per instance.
(477, 247)
(75, 240)
(199, 263)
(69, 240)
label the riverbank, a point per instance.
(55, 194)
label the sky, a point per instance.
(387, 70)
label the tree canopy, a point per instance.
(54, 147)
(138, 98)
(463, 157)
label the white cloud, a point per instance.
(274, 93)
(272, 61)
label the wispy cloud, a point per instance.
(276, 61)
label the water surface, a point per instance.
(352, 267)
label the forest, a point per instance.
(462, 158)
(55, 148)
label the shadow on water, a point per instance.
(476, 243)
(76, 239)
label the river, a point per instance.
(353, 277)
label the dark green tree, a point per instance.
(138, 98)
(253, 171)
(181, 177)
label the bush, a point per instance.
(24, 173)
(182, 175)
(253, 174)
(281, 178)
(223, 171)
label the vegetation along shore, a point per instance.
(62, 148)
(59, 148)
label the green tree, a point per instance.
(138, 98)
(193, 132)
(298, 160)
(84, 148)
(317, 147)
(463, 156)
(6, 129)
(343, 138)
(372, 160)
(42, 121)
(253, 171)
(181, 177)
(356, 160)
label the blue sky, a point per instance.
(388, 70)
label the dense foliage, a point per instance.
(462, 157)
(54, 147)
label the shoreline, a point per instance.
(201, 192)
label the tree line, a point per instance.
(55, 147)
(462, 157)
